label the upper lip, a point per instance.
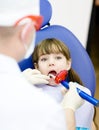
(53, 72)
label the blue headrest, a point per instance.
(45, 11)
(81, 62)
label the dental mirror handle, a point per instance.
(82, 94)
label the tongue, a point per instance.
(53, 73)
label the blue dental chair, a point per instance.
(81, 61)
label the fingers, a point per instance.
(34, 76)
(35, 79)
(63, 90)
(42, 81)
(37, 73)
(75, 84)
(71, 98)
(41, 76)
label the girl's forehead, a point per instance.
(51, 48)
(50, 51)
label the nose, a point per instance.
(50, 64)
(51, 60)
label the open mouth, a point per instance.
(52, 74)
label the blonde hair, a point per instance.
(52, 45)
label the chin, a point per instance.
(52, 83)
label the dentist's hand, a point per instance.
(71, 98)
(35, 77)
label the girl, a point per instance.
(50, 57)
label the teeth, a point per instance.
(51, 76)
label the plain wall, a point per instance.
(74, 15)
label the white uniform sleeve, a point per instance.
(23, 107)
(56, 121)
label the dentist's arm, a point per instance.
(71, 102)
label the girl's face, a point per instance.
(51, 64)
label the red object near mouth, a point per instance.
(61, 76)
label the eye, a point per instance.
(58, 57)
(43, 59)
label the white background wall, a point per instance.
(74, 15)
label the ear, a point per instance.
(68, 65)
(35, 65)
(26, 33)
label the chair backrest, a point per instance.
(81, 62)
(45, 11)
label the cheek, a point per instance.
(65, 64)
(42, 69)
(62, 64)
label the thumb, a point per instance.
(63, 91)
